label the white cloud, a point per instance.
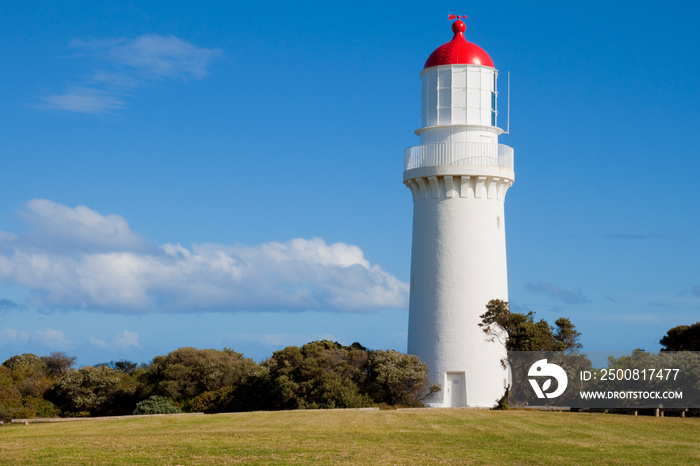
(77, 258)
(55, 225)
(49, 338)
(126, 340)
(99, 343)
(163, 57)
(121, 65)
(122, 341)
(52, 338)
(84, 100)
(9, 335)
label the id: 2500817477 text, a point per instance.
(630, 374)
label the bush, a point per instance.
(156, 404)
(320, 374)
(186, 373)
(210, 402)
(397, 379)
(98, 391)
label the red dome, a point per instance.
(459, 51)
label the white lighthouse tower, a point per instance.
(458, 175)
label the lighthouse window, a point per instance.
(493, 102)
(493, 109)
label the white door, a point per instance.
(455, 390)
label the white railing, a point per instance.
(459, 153)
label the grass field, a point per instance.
(416, 436)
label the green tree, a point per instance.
(685, 370)
(156, 404)
(320, 374)
(94, 391)
(10, 396)
(122, 365)
(186, 373)
(213, 401)
(29, 374)
(397, 379)
(520, 332)
(682, 338)
(24, 380)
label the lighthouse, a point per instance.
(458, 176)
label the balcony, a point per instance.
(480, 154)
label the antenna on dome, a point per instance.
(451, 17)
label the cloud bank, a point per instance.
(76, 258)
(122, 65)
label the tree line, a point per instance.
(320, 374)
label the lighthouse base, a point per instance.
(460, 391)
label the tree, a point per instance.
(565, 336)
(186, 373)
(326, 374)
(122, 365)
(94, 391)
(520, 332)
(320, 374)
(682, 338)
(13, 404)
(397, 379)
(58, 363)
(29, 374)
(24, 381)
(10, 397)
(156, 404)
(685, 370)
(213, 401)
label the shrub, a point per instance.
(99, 391)
(320, 374)
(156, 404)
(186, 373)
(210, 402)
(397, 379)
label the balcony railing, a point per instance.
(481, 154)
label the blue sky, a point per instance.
(230, 174)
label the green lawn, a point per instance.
(417, 436)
